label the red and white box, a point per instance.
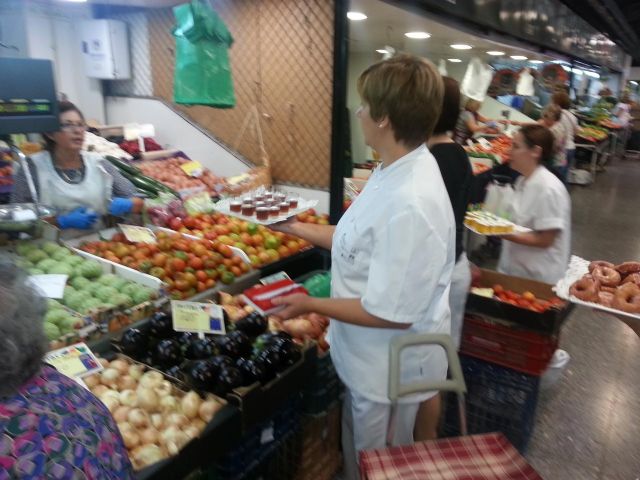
(261, 296)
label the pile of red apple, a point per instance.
(261, 244)
(187, 266)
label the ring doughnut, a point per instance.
(585, 289)
(605, 298)
(633, 278)
(599, 263)
(627, 268)
(607, 276)
(627, 298)
(608, 289)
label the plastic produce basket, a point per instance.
(507, 344)
(498, 399)
(323, 389)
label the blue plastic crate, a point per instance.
(498, 399)
(323, 389)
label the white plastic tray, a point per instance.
(577, 268)
(223, 206)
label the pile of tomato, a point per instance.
(526, 300)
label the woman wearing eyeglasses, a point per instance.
(81, 185)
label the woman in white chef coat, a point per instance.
(392, 252)
(541, 203)
(80, 185)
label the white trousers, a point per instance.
(460, 283)
(366, 425)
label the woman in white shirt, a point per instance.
(570, 124)
(541, 203)
(392, 258)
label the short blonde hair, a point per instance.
(407, 89)
(472, 104)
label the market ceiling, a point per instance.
(619, 19)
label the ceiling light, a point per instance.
(518, 57)
(454, 60)
(634, 83)
(382, 50)
(537, 62)
(356, 16)
(592, 74)
(417, 35)
(461, 46)
(77, 1)
(495, 53)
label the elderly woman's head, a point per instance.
(22, 339)
(401, 101)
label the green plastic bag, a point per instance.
(319, 285)
(202, 71)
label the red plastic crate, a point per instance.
(506, 344)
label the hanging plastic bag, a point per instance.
(525, 84)
(202, 71)
(476, 80)
(499, 199)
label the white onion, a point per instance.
(104, 362)
(145, 455)
(91, 381)
(128, 398)
(109, 377)
(190, 404)
(136, 371)
(127, 382)
(110, 394)
(147, 399)
(151, 379)
(176, 419)
(120, 365)
(198, 423)
(138, 418)
(99, 390)
(120, 414)
(208, 409)
(149, 435)
(111, 403)
(131, 438)
(163, 388)
(191, 432)
(169, 404)
(157, 420)
(173, 439)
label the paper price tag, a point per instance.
(137, 234)
(52, 286)
(197, 317)
(484, 142)
(276, 277)
(74, 361)
(193, 169)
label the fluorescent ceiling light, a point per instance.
(356, 16)
(537, 62)
(518, 57)
(592, 74)
(495, 53)
(454, 60)
(417, 35)
(633, 82)
(461, 46)
(577, 71)
(382, 50)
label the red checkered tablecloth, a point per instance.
(476, 457)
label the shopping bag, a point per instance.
(499, 199)
(202, 70)
(476, 80)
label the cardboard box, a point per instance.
(546, 322)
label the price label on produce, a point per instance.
(137, 234)
(197, 317)
(193, 169)
(52, 285)
(276, 277)
(74, 361)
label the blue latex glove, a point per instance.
(120, 206)
(78, 218)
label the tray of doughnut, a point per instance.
(603, 286)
